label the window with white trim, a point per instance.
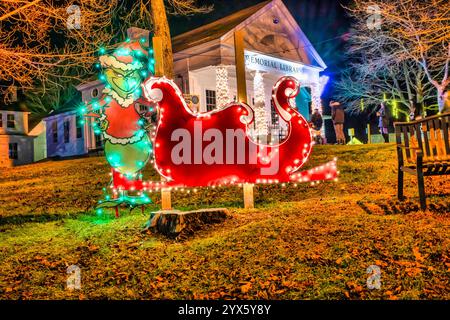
(94, 93)
(99, 140)
(13, 151)
(211, 102)
(55, 131)
(66, 131)
(79, 126)
(10, 121)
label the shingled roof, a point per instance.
(214, 30)
(18, 106)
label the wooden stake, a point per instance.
(249, 202)
(116, 208)
(166, 200)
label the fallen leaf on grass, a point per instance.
(93, 248)
(417, 254)
(413, 271)
(246, 287)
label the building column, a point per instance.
(89, 134)
(260, 104)
(222, 88)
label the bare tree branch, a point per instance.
(412, 43)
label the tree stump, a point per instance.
(179, 224)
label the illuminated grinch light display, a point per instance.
(123, 125)
(190, 149)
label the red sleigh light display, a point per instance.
(215, 148)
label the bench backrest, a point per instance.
(431, 135)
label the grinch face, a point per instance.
(123, 82)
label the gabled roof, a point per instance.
(18, 106)
(225, 27)
(290, 20)
(214, 30)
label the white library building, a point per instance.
(274, 46)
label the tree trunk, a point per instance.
(161, 26)
(440, 97)
(420, 93)
(408, 85)
(180, 225)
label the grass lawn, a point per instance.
(301, 242)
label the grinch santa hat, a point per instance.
(127, 57)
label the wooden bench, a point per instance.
(423, 149)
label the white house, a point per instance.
(16, 144)
(68, 133)
(275, 46)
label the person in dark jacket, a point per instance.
(383, 122)
(338, 116)
(316, 120)
(316, 125)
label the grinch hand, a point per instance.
(124, 127)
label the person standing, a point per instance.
(316, 120)
(316, 124)
(338, 117)
(383, 122)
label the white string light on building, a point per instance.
(222, 89)
(260, 104)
